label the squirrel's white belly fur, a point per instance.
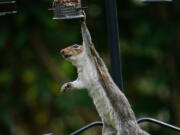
(89, 77)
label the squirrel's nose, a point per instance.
(63, 51)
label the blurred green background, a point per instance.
(32, 70)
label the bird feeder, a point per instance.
(67, 9)
(7, 7)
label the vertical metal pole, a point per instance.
(113, 36)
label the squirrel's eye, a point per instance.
(76, 46)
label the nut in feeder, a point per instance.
(67, 9)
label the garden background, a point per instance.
(32, 70)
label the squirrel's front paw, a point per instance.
(66, 86)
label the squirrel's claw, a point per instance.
(66, 86)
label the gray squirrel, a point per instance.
(111, 104)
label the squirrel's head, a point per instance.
(72, 52)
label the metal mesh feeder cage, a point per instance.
(67, 9)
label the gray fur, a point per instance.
(118, 100)
(111, 104)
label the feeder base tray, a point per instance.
(68, 17)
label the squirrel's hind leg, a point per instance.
(108, 130)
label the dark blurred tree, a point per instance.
(32, 70)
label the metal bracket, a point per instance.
(160, 123)
(6, 7)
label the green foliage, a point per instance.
(32, 70)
